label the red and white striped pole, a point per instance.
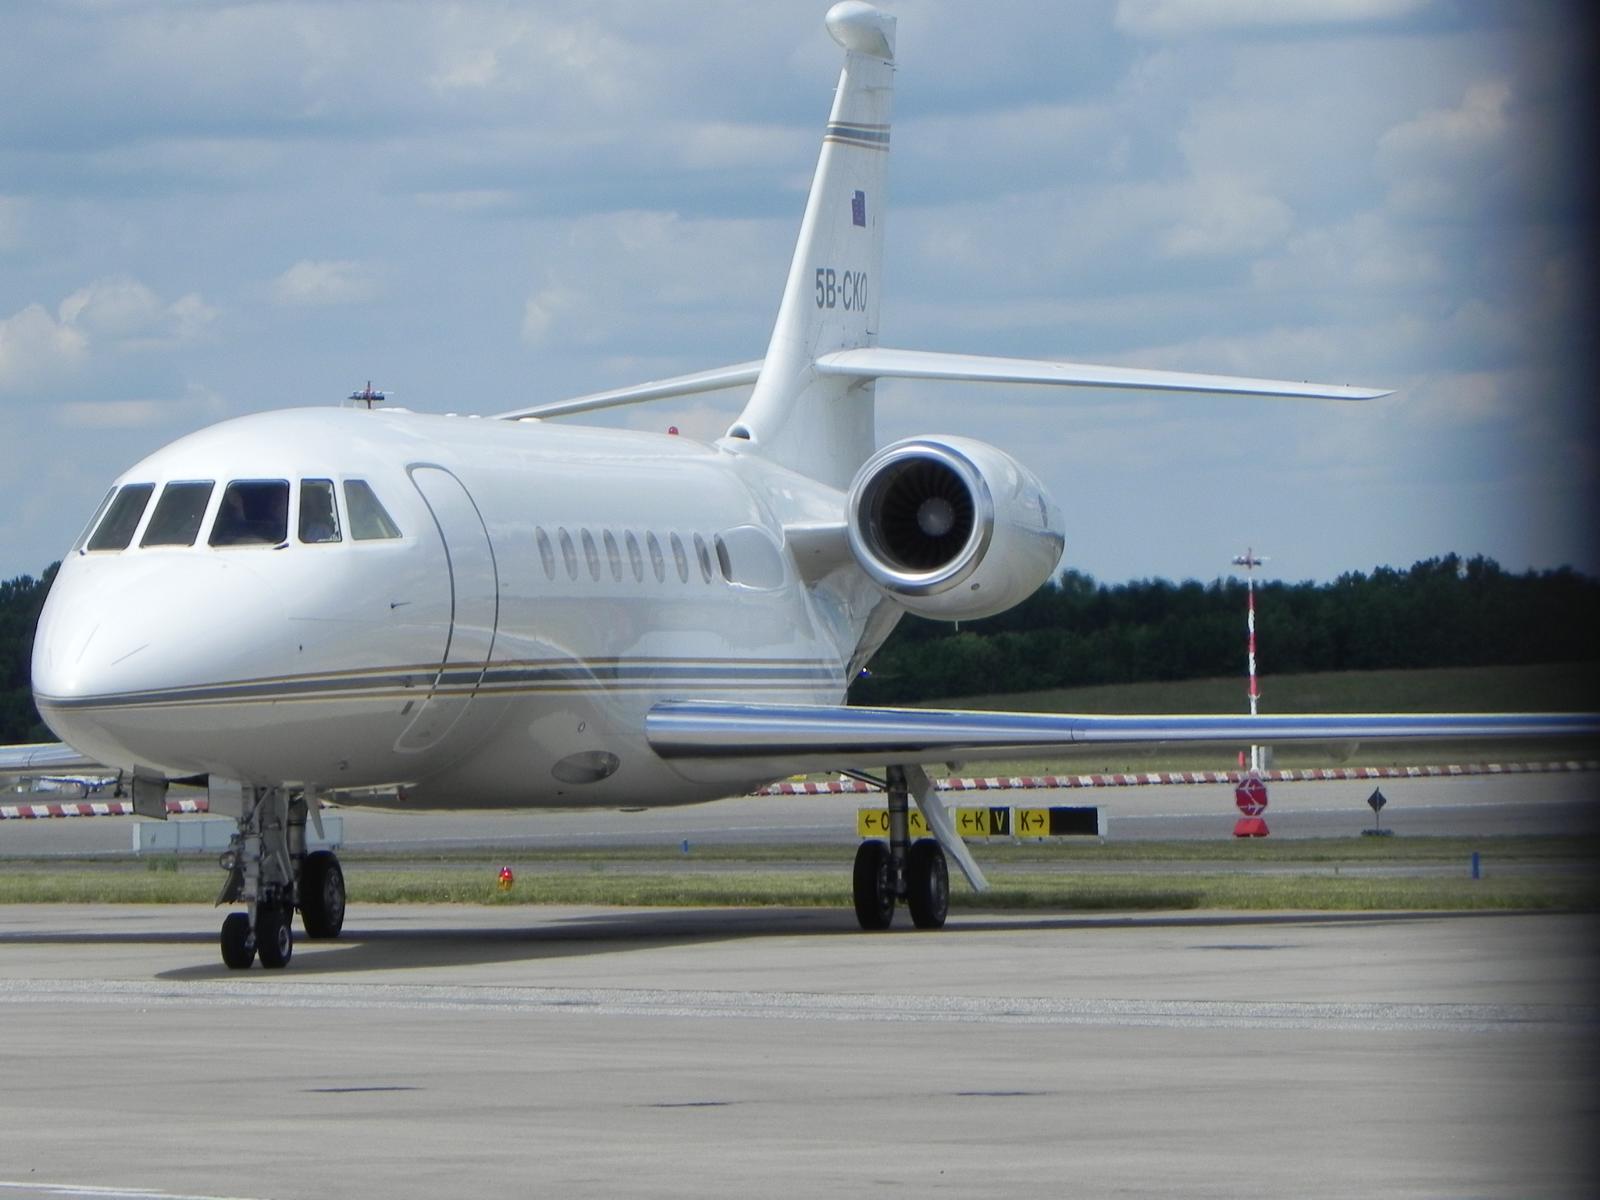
(1250, 562)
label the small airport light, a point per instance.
(506, 879)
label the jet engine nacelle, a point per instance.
(952, 528)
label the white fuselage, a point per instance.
(548, 585)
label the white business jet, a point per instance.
(509, 612)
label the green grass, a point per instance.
(1387, 873)
(1545, 687)
(1548, 687)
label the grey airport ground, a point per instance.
(453, 1051)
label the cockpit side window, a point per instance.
(122, 518)
(319, 516)
(176, 520)
(369, 520)
(94, 520)
(254, 512)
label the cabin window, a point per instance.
(547, 553)
(680, 558)
(319, 515)
(569, 553)
(254, 512)
(634, 559)
(591, 555)
(748, 556)
(613, 557)
(176, 520)
(122, 518)
(369, 520)
(94, 520)
(657, 563)
(704, 555)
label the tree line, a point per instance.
(20, 601)
(1443, 612)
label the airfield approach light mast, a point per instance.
(368, 396)
(1250, 561)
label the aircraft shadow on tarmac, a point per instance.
(610, 932)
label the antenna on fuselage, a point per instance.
(368, 396)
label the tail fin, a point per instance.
(822, 425)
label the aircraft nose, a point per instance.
(116, 631)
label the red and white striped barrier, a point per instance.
(835, 787)
(990, 783)
(86, 808)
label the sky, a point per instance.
(210, 209)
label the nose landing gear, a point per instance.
(269, 869)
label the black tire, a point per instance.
(238, 942)
(927, 884)
(322, 895)
(274, 936)
(872, 885)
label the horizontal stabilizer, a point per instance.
(882, 362)
(738, 375)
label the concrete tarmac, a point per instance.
(452, 1051)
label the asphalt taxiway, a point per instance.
(513, 1051)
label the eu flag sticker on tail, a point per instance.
(858, 209)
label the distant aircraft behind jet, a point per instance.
(517, 613)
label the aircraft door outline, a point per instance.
(474, 580)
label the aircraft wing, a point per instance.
(50, 757)
(821, 737)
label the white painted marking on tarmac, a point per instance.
(100, 1192)
(845, 1007)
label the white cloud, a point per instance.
(35, 347)
(1451, 161)
(1179, 18)
(123, 311)
(1223, 216)
(314, 284)
(195, 402)
(1364, 252)
(648, 280)
(546, 307)
(111, 314)
(1472, 129)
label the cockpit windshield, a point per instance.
(122, 518)
(176, 520)
(254, 512)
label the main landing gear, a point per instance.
(900, 869)
(269, 869)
